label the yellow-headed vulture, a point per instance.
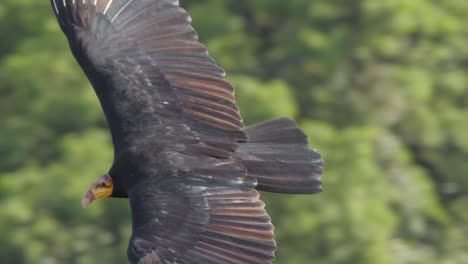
(182, 155)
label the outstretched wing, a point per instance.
(184, 222)
(147, 66)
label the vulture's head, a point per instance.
(102, 187)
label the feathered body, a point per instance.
(182, 154)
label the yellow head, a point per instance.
(102, 187)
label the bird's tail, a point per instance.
(277, 154)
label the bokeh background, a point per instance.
(380, 87)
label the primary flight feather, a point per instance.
(181, 152)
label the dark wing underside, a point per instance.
(192, 224)
(162, 93)
(145, 63)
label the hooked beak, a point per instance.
(102, 187)
(89, 197)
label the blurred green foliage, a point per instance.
(379, 86)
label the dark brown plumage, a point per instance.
(182, 154)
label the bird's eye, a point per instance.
(102, 185)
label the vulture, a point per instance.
(182, 156)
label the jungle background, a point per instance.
(379, 86)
